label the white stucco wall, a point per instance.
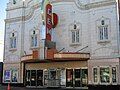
(68, 12)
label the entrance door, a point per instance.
(69, 78)
(84, 77)
(27, 78)
(54, 78)
(39, 77)
(77, 75)
(33, 77)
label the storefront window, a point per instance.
(114, 74)
(95, 74)
(104, 75)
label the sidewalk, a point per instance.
(25, 88)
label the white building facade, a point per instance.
(86, 44)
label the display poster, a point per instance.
(7, 76)
(63, 77)
(14, 76)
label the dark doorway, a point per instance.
(84, 77)
(69, 78)
(33, 77)
(39, 77)
(77, 77)
(27, 78)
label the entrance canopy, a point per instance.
(71, 56)
(67, 56)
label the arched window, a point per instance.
(103, 31)
(75, 34)
(34, 40)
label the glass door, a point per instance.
(39, 77)
(45, 77)
(84, 77)
(77, 79)
(27, 78)
(52, 78)
(69, 77)
(33, 77)
(52, 75)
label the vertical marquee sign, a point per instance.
(48, 21)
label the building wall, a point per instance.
(86, 14)
(85, 18)
(14, 24)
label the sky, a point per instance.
(3, 6)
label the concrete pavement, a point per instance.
(25, 88)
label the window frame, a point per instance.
(104, 36)
(101, 23)
(76, 40)
(33, 41)
(76, 31)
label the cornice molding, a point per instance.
(26, 17)
(87, 6)
(57, 1)
(77, 2)
(94, 5)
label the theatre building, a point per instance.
(62, 43)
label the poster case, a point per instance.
(14, 76)
(7, 75)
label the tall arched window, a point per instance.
(34, 40)
(103, 29)
(75, 34)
